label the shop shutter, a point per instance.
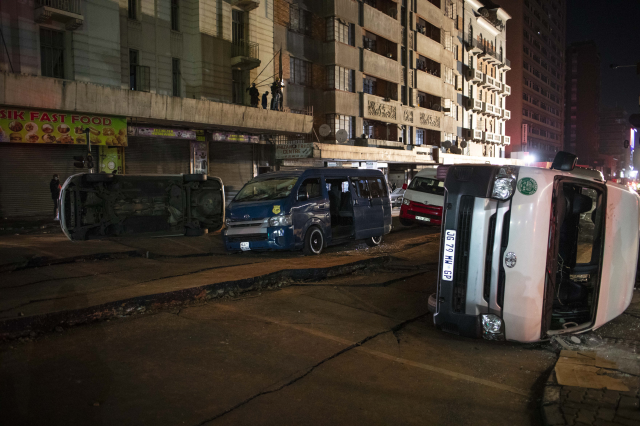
(25, 173)
(233, 163)
(156, 156)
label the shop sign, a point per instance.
(234, 137)
(111, 159)
(155, 132)
(59, 127)
(332, 164)
(294, 150)
(199, 158)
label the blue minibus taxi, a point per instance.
(309, 210)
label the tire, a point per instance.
(194, 178)
(433, 303)
(373, 241)
(313, 241)
(193, 232)
(405, 222)
(98, 177)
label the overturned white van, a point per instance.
(528, 253)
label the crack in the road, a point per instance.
(393, 329)
(71, 278)
(382, 284)
(631, 315)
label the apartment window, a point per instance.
(139, 76)
(428, 101)
(427, 137)
(339, 30)
(369, 85)
(403, 95)
(268, 9)
(428, 29)
(428, 65)
(299, 20)
(52, 53)
(237, 26)
(340, 78)
(175, 74)
(133, 9)
(300, 72)
(175, 15)
(237, 88)
(339, 121)
(369, 41)
(449, 77)
(436, 3)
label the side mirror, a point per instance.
(303, 196)
(404, 186)
(564, 161)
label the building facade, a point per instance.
(617, 140)
(582, 104)
(162, 85)
(537, 43)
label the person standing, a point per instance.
(254, 93)
(54, 187)
(264, 99)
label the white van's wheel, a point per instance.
(313, 241)
(432, 303)
(373, 241)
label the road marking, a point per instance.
(379, 354)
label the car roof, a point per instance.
(338, 172)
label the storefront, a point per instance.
(154, 150)
(35, 144)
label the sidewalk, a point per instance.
(597, 382)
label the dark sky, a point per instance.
(615, 27)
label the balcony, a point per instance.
(66, 11)
(506, 140)
(487, 137)
(477, 135)
(497, 111)
(475, 47)
(506, 64)
(487, 108)
(379, 66)
(474, 75)
(474, 104)
(506, 114)
(246, 5)
(382, 24)
(498, 85)
(506, 89)
(244, 55)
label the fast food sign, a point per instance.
(59, 127)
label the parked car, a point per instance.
(308, 210)
(396, 197)
(529, 253)
(104, 205)
(423, 199)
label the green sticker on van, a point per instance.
(527, 186)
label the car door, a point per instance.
(380, 200)
(367, 217)
(311, 205)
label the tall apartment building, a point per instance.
(536, 48)
(162, 84)
(617, 140)
(389, 73)
(583, 103)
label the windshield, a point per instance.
(267, 189)
(430, 186)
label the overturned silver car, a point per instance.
(104, 205)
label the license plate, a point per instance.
(425, 219)
(244, 246)
(448, 255)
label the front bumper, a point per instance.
(433, 213)
(268, 240)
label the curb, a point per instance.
(550, 404)
(30, 326)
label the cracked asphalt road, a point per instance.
(356, 349)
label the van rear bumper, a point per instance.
(433, 213)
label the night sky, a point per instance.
(615, 27)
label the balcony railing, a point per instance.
(248, 49)
(475, 46)
(72, 6)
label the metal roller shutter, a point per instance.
(25, 173)
(233, 163)
(156, 156)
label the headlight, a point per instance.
(406, 202)
(492, 327)
(227, 221)
(283, 220)
(502, 188)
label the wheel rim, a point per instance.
(316, 241)
(376, 240)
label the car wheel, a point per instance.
(194, 178)
(406, 222)
(98, 177)
(432, 303)
(313, 241)
(193, 232)
(373, 241)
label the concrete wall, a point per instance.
(430, 12)
(434, 50)
(429, 84)
(381, 24)
(360, 153)
(379, 66)
(49, 93)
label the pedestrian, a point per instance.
(264, 99)
(54, 187)
(254, 93)
(393, 186)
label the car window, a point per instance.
(311, 187)
(363, 187)
(428, 185)
(376, 187)
(586, 229)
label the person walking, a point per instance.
(264, 99)
(54, 187)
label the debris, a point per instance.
(232, 294)
(20, 314)
(96, 404)
(583, 369)
(59, 329)
(576, 340)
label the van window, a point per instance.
(311, 187)
(363, 187)
(428, 185)
(267, 189)
(376, 188)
